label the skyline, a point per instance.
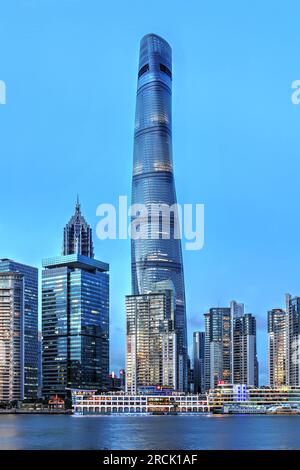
(46, 108)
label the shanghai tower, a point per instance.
(155, 259)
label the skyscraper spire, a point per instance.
(77, 204)
(78, 235)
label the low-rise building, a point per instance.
(230, 394)
(90, 402)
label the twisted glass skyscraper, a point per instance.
(157, 258)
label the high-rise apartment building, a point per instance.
(293, 340)
(230, 347)
(12, 322)
(199, 361)
(218, 335)
(245, 363)
(157, 257)
(277, 345)
(30, 276)
(150, 340)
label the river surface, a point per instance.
(149, 432)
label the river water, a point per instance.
(149, 432)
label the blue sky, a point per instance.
(70, 68)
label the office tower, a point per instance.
(237, 310)
(75, 323)
(30, 275)
(40, 367)
(114, 381)
(198, 361)
(158, 257)
(245, 364)
(78, 235)
(122, 379)
(150, 340)
(190, 373)
(11, 336)
(207, 352)
(293, 340)
(277, 328)
(191, 380)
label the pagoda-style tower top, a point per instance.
(78, 235)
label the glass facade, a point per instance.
(30, 275)
(220, 342)
(156, 258)
(245, 364)
(293, 339)
(199, 361)
(230, 347)
(11, 336)
(207, 351)
(75, 324)
(151, 341)
(277, 323)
